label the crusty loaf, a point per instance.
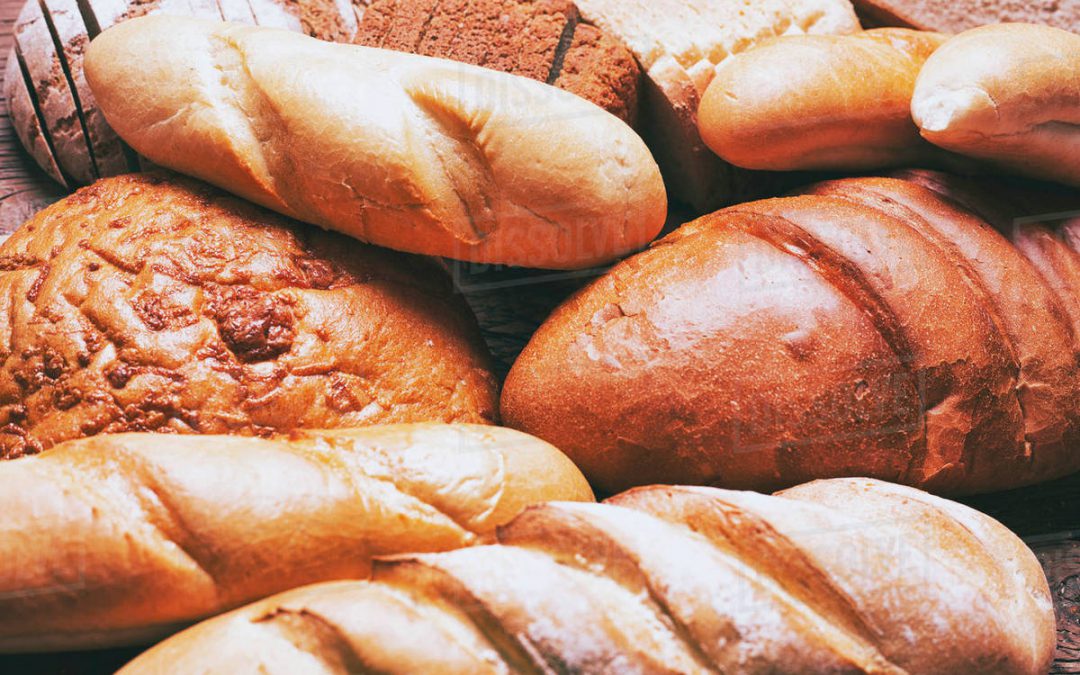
(819, 102)
(546, 41)
(405, 151)
(679, 43)
(954, 16)
(839, 576)
(151, 303)
(1006, 93)
(868, 328)
(121, 539)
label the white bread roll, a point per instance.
(841, 576)
(409, 152)
(819, 102)
(1008, 94)
(121, 539)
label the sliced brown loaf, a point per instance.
(120, 539)
(544, 40)
(953, 16)
(150, 303)
(27, 121)
(838, 576)
(860, 333)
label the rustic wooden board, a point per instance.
(509, 305)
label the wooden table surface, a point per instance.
(510, 304)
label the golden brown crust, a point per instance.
(122, 538)
(1008, 94)
(879, 330)
(444, 165)
(839, 576)
(817, 102)
(153, 303)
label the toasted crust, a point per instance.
(1009, 94)
(121, 539)
(846, 575)
(872, 328)
(817, 102)
(147, 302)
(444, 165)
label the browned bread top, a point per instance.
(150, 303)
(544, 40)
(871, 328)
(838, 576)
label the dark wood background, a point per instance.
(510, 304)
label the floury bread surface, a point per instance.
(121, 539)
(839, 576)
(405, 151)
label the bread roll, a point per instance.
(954, 16)
(404, 151)
(679, 43)
(545, 41)
(819, 102)
(150, 303)
(120, 539)
(872, 328)
(1008, 94)
(839, 576)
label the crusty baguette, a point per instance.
(408, 152)
(838, 576)
(1009, 94)
(819, 102)
(121, 539)
(870, 328)
(679, 43)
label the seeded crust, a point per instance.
(542, 39)
(147, 302)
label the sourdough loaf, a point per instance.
(414, 153)
(870, 327)
(150, 303)
(122, 539)
(678, 44)
(838, 576)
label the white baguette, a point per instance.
(409, 152)
(121, 539)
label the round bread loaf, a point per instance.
(872, 328)
(149, 303)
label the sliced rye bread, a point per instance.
(53, 93)
(540, 39)
(26, 120)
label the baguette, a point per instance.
(1008, 94)
(839, 576)
(408, 152)
(121, 539)
(819, 102)
(869, 327)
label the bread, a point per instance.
(819, 102)
(445, 164)
(54, 35)
(122, 539)
(544, 40)
(954, 16)
(1008, 94)
(151, 303)
(839, 576)
(28, 124)
(678, 44)
(869, 328)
